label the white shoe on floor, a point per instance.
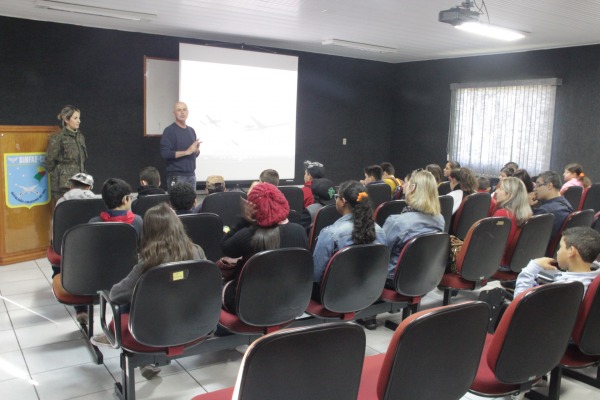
(149, 371)
(100, 341)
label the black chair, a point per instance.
(325, 216)
(583, 350)
(173, 308)
(583, 218)
(294, 217)
(66, 215)
(596, 223)
(388, 208)
(205, 230)
(378, 193)
(353, 280)
(473, 208)
(419, 270)
(273, 288)
(591, 198)
(444, 188)
(227, 205)
(531, 242)
(479, 256)
(433, 354)
(573, 195)
(142, 204)
(446, 203)
(530, 340)
(294, 196)
(320, 362)
(94, 257)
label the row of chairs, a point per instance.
(584, 199)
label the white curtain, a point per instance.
(492, 123)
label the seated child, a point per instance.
(182, 198)
(116, 194)
(149, 182)
(80, 187)
(579, 247)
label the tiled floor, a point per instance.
(43, 354)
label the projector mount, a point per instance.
(468, 11)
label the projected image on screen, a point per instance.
(243, 107)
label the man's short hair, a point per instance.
(483, 183)
(150, 175)
(585, 240)
(113, 191)
(551, 177)
(182, 196)
(269, 176)
(375, 171)
(388, 168)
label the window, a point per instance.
(492, 123)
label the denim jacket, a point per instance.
(400, 228)
(333, 238)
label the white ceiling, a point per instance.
(411, 26)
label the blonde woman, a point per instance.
(422, 215)
(513, 202)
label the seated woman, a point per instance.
(523, 175)
(356, 226)
(463, 183)
(265, 227)
(163, 240)
(422, 215)
(574, 176)
(513, 203)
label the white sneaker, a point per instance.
(149, 371)
(100, 341)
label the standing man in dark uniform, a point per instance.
(179, 146)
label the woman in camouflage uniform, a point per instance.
(66, 152)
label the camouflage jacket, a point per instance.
(66, 156)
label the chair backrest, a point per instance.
(325, 216)
(354, 277)
(446, 203)
(443, 343)
(227, 205)
(534, 332)
(587, 326)
(583, 218)
(144, 203)
(388, 208)
(421, 264)
(69, 213)
(294, 196)
(294, 217)
(573, 195)
(96, 256)
(176, 303)
(596, 223)
(532, 241)
(444, 188)
(473, 208)
(378, 193)
(483, 248)
(320, 362)
(205, 230)
(274, 286)
(591, 198)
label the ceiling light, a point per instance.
(359, 46)
(491, 31)
(96, 11)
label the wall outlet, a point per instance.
(344, 141)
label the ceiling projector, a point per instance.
(459, 15)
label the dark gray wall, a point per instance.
(44, 66)
(422, 102)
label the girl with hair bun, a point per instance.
(574, 176)
(356, 226)
(66, 153)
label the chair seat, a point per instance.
(318, 310)
(67, 298)
(391, 296)
(485, 380)
(369, 377)
(505, 276)
(223, 394)
(53, 256)
(233, 323)
(574, 358)
(456, 281)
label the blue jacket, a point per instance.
(559, 206)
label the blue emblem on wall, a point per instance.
(26, 180)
